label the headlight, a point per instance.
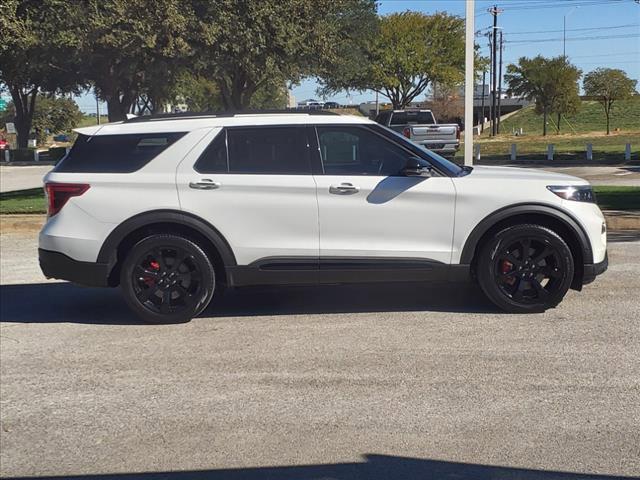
(577, 193)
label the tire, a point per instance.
(525, 269)
(167, 279)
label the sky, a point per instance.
(587, 22)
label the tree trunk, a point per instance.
(544, 122)
(558, 125)
(608, 114)
(25, 103)
(118, 105)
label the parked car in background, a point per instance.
(420, 127)
(175, 208)
(62, 137)
(331, 105)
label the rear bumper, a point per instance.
(439, 147)
(591, 271)
(58, 265)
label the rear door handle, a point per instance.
(344, 189)
(205, 184)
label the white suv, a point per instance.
(173, 208)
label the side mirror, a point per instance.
(416, 167)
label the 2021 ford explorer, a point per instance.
(174, 208)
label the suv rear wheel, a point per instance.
(167, 279)
(525, 268)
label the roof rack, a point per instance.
(190, 115)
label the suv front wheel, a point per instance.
(167, 279)
(525, 268)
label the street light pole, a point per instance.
(469, 75)
(564, 30)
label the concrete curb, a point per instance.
(617, 220)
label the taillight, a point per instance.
(406, 132)
(59, 193)
(458, 132)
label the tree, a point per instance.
(608, 85)
(407, 53)
(52, 115)
(551, 82)
(134, 49)
(38, 53)
(202, 94)
(244, 45)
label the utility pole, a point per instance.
(377, 105)
(500, 85)
(490, 35)
(494, 11)
(484, 88)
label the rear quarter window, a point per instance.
(115, 153)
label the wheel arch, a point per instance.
(563, 223)
(125, 235)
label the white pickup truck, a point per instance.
(420, 127)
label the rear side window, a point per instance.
(115, 153)
(412, 118)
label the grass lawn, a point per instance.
(23, 201)
(32, 200)
(618, 198)
(570, 144)
(589, 118)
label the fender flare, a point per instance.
(109, 248)
(492, 219)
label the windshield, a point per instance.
(436, 160)
(412, 118)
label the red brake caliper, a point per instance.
(506, 267)
(148, 280)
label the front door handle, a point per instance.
(204, 184)
(344, 189)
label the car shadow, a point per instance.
(65, 302)
(374, 467)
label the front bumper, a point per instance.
(591, 271)
(60, 266)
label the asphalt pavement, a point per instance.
(367, 382)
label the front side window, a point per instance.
(358, 151)
(115, 153)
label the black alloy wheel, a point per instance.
(526, 268)
(167, 279)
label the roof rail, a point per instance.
(189, 115)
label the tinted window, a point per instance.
(359, 151)
(412, 118)
(115, 153)
(271, 150)
(214, 158)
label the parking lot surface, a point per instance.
(400, 381)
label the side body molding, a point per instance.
(109, 249)
(505, 213)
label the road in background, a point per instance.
(22, 177)
(293, 376)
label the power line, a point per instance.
(560, 4)
(580, 39)
(576, 29)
